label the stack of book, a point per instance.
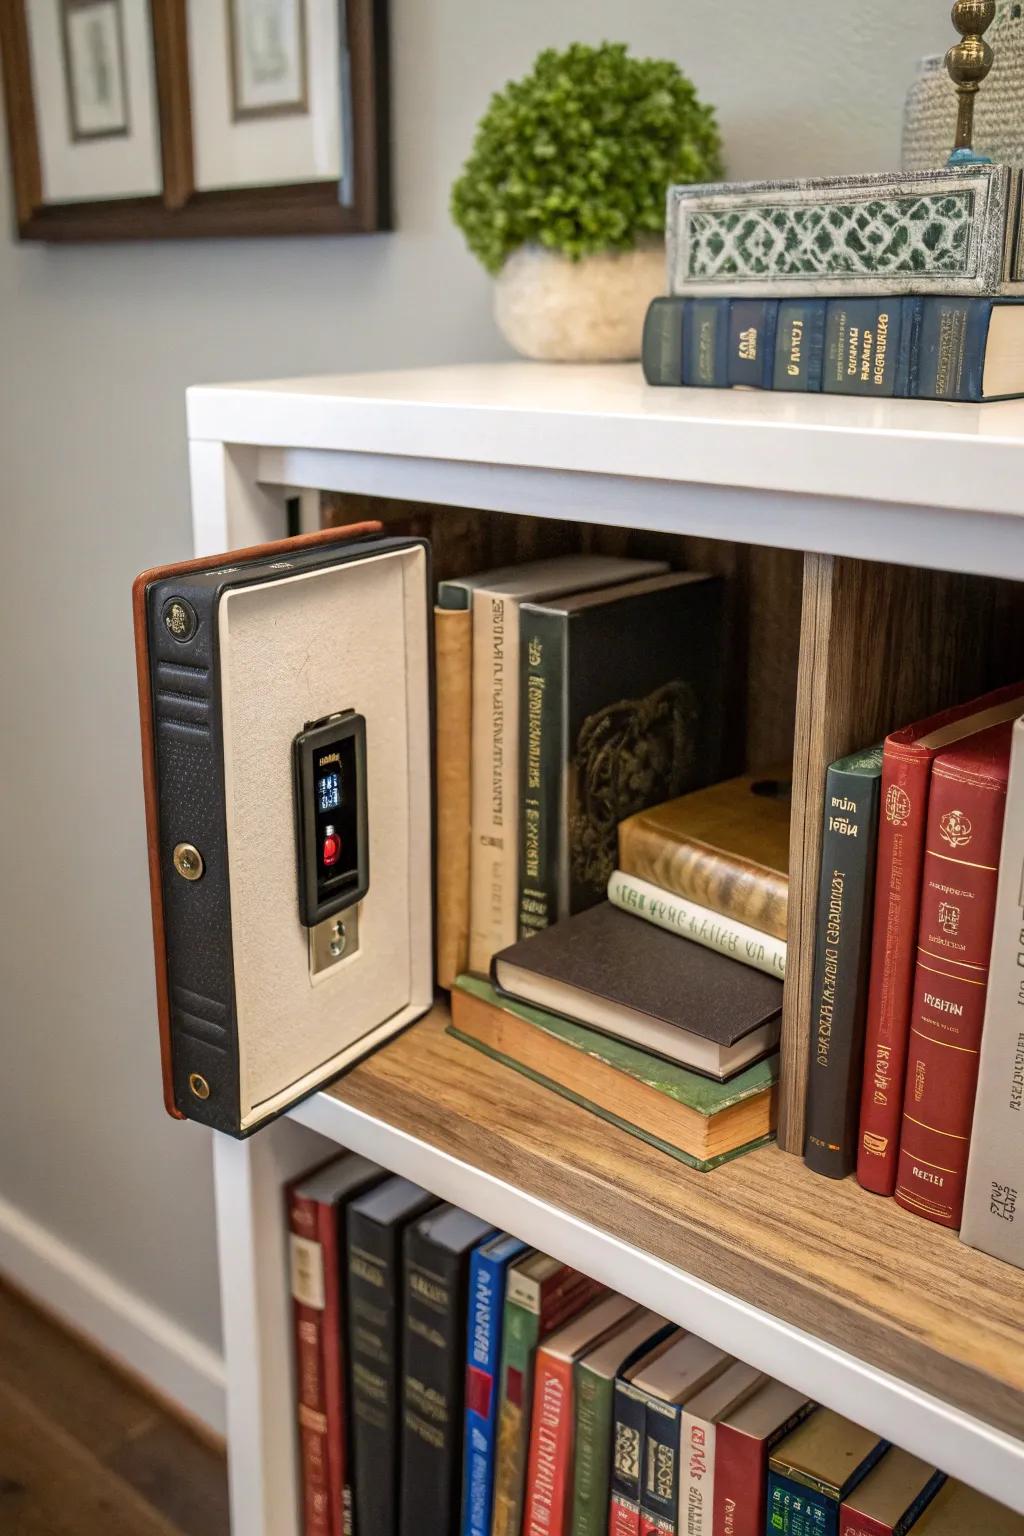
(455, 1382)
(917, 971)
(905, 285)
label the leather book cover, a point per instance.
(374, 1226)
(813, 1470)
(453, 659)
(744, 1440)
(891, 1498)
(958, 896)
(436, 1257)
(621, 708)
(906, 776)
(993, 1218)
(629, 963)
(725, 847)
(316, 1218)
(841, 955)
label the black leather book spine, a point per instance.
(374, 1281)
(433, 1371)
(842, 954)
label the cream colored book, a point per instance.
(698, 924)
(494, 839)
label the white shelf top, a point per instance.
(604, 420)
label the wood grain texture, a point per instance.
(880, 645)
(22, 137)
(871, 1279)
(169, 19)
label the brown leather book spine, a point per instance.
(958, 894)
(453, 647)
(318, 1507)
(725, 883)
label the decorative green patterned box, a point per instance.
(945, 231)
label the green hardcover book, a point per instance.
(540, 1295)
(622, 706)
(842, 956)
(594, 1383)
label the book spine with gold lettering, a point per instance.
(706, 343)
(543, 854)
(546, 1510)
(958, 897)
(842, 955)
(866, 351)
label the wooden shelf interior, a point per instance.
(899, 1293)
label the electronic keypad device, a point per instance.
(285, 700)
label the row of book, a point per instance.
(453, 1380)
(903, 346)
(917, 971)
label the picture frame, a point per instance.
(194, 128)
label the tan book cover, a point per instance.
(899, 1486)
(957, 1510)
(824, 1452)
(453, 650)
(725, 847)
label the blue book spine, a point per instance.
(752, 342)
(487, 1267)
(948, 361)
(794, 1510)
(706, 343)
(862, 346)
(800, 345)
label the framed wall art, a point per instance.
(160, 118)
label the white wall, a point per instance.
(97, 345)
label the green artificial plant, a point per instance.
(577, 156)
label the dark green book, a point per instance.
(842, 954)
(663, 341)
(374, 1226)
(706, 343)
(437, 1250)
(621, 707)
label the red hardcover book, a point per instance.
(906, 775)
(743, 1442)
(315, 1216)
(547, 1509)
(958, 898)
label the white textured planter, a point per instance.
(588, 311)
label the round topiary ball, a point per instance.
(577, 156)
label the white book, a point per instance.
(697, 1444)
(993, 1217)
(494, 816)
(698, 924)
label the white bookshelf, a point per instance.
(931, 485)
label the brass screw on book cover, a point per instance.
(969, 62)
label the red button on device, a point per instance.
(332, 848)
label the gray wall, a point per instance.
(98, 345)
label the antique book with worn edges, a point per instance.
(594, 1390)
(621, 707)
(694, 1118)
(494, 814)
(906, 777)
(725, 847)
(436, 1256)
(614, 972)
(316, 1219)
(993, 1217)
(374, 1227)
(814, 1469)
(744, 1439)
(958, 895)
(540, 1295)
(547, 1508)
(681, 1373)
(698, 1432)
(892, 1497)
(842, 954)
(698, 924)
(487, 1270)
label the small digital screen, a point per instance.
(328, 791)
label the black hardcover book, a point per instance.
(842, 955)
(622, 707)
(436, 1271)
(375, 1224)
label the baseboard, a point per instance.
(178, 1366)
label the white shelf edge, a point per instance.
(978, 1453)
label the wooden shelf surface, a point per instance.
(903, 1296)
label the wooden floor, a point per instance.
(84, 1452)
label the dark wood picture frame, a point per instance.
(182, 212)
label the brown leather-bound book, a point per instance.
(634, 981)
(725, 847)
(453, 650)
